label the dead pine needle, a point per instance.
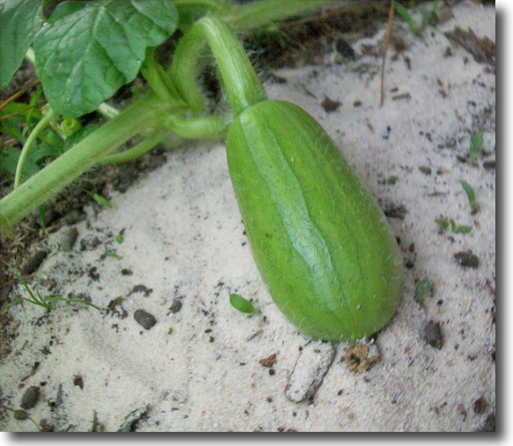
(385, 48)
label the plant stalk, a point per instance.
(213, 5)
(30, 141)
(88, 152)
(264, 12)
(139, 149)
(240, 82)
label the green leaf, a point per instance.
(425, 286)
(11, 125)
(113, 255)
(119, 239)
(392, 180)
(189, 15)
(42, 215)
(101, 200)
(88, 50)
(33, 102)
(444, 224)
(460, 229)
(476, 142)
(9, 159)
(470, 193)
(241, 304)
(406, 16)
(69, 300)
(20, 21)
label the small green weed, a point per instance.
(36, 298)
(241, 304)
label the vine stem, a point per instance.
(213, 5)
(28, 144)
(240, 82)
(139, 149)
(264, 12)
(88, 152)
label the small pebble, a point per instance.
(176, 306)
(489, 165)
(30, 397)
(145, 319)
(433, 334)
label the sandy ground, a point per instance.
(184, 251)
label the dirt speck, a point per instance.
(141, 289)
(78, 381)
(360, 357)
(425, 170)
(269, 361)
(480, 406)
(483, 49)
(467, 259)
(393, 211)
(329, 105)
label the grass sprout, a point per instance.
(35, 297)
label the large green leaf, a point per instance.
(88, 50)
(20, 20)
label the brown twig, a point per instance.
(19, 93)
(385, 48)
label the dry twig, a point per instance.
(385, 48)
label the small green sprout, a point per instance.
(425, 286)
(460, 229)
(170, 330)
(407, 17)
(36, 298)
(470, 193)
(476, 143)
(42, 215)
(442, 222)
(119, 239)
(392, 180)
(113, 255)
(101, 200)
(69, 126)
(241, 304)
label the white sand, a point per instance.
(183, 238)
